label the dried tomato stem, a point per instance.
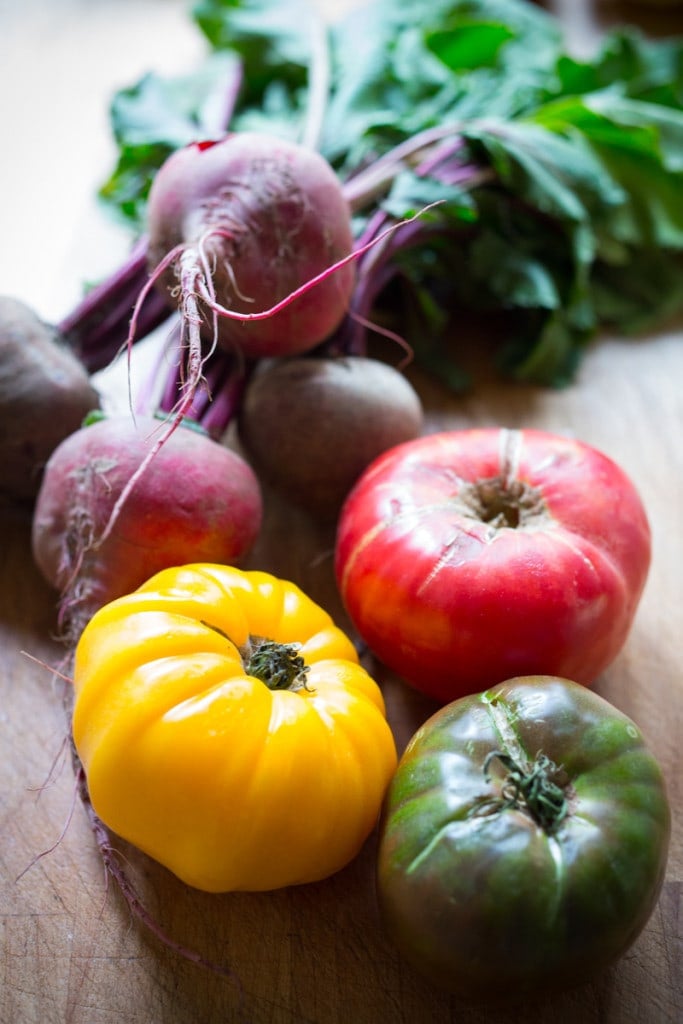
(532, 787)
(279, 666)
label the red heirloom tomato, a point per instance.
(523, 840)
(467, 557)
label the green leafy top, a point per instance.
(559, 179)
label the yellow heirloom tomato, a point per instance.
(227, 729)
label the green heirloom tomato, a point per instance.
(523, 841)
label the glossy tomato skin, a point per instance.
(483, 900)
(467, 557)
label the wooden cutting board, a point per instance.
(70, 952)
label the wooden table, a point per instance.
(312, 955)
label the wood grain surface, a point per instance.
(70, 952)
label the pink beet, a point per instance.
(115, 506)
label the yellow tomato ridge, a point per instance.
(329, 643)
(292, 793)
(132, 761)
(108, 657)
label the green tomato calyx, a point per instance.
(279, 666)
(533, 788)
